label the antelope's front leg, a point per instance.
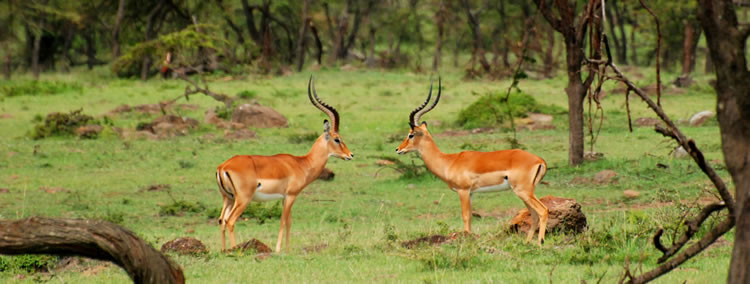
(465, 196)
(286, 221)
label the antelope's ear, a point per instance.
(327, 128)
(424, 123)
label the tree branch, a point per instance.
(692, 228)
(90, 238)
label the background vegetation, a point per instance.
(371, 61)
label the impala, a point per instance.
(472, 172)
(246, 178)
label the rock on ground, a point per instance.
(89, 131)
(565, 215)
(631, 194)
(605, 176)
(184, 245)
(699, 118)
(647, 121)
(253, 115)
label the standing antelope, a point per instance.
(263, 178)
(472, 172)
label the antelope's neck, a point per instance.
(435, 160)
(316, 159)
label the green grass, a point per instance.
(364, 214)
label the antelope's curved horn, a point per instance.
(317, 102)
(417, 113)
(413, 118)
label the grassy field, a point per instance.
(350, 229)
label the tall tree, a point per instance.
(561, 15)
(300, 54)
(726, 40)
(440, 25)
(116, 28)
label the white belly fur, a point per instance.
(493, 188)
(259, 196)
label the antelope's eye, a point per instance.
(337, 141)
(411, 135)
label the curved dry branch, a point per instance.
(728, 201)
(90, 238)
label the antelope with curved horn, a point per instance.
(472, 172)
(246, 178)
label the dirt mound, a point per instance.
(254, 115)
(184, 245)
(430, 240)
(252, 245)
(565, 215)
(169, 126)
(647, 121)
(239, 134)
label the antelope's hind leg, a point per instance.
(223, 220)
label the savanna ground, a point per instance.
(350, 229)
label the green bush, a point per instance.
(187, 45)
(27, 262)
(36, 87)
(492, 110)
(62, 124)
(247, 94)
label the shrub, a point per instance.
(35, 87)
(187, 45)
(492, 110)
(27, 262)
(247, 94)
(61, 124)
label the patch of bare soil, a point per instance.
(239, 134)
(4, 190)
(315, 248)
(184, 245)
(430, 240)
(6, 116)
(253, 245)
(155, 187)
(53, 190)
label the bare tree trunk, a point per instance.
(549, 56)
(116, 29)
(726, 40)
(478, 50)
(150, 23)
(35, 68)
(90, 49)
(370, 61)
(633, 43)
(90, 238)
(574, 33)
(318, 43)
(623, 51)
(690, 42)
(7, 65)
(439, 22)
(302, 35)
(250, 22)
(70, 31)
